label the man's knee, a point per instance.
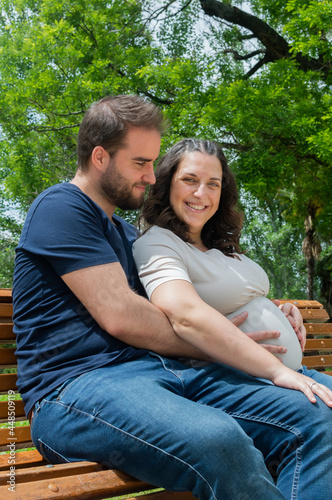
(222, 439)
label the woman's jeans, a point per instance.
(208, 430)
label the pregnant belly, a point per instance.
(264, 315)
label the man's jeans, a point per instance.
(187, 428)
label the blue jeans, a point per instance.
(212, 430)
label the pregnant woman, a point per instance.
(191, 266)
(194, 238)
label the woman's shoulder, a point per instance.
(158, 235)
(158, 241)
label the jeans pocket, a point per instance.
(49, 454)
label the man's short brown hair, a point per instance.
(107, 122)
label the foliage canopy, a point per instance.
(255, 75)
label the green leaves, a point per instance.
(258, 82)
(56, 58)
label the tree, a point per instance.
(282, 110)
(276, 245)
(56, 58)
(324, 271)
(9, 235)
(267, 99)
(256, 78)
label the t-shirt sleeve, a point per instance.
(68, 231)
(159, 259)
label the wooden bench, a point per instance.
(318, 349)
(25, 475)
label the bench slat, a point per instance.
(92, 485)
(6, 295)
(318, 345)
(48, 471)
(6, 310)
(303, 304)
(16, 406)
(318, 361)
(7, 356)
(319, 329)
(6, 331)
(21, 435)
(314, 315)
(27, 458)
(8, 382)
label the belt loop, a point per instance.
(33, 411)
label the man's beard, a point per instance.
(118, 191)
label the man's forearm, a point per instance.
(153, 331)
(104, 292)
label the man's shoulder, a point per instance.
(59, 199)
(52, 194)
(63, 189)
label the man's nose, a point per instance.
(149, 176)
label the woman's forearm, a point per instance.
(207, 330)
(212, 333)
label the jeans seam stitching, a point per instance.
(171, 371)
(52, 450)
(288, 428)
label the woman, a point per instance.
(191, 266)
(191, 255)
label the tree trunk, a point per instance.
(324, 271)
(311, 265)
(311, 248)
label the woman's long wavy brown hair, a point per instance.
(223, 230)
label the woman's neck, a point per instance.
(196, 241)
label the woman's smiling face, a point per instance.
(195, 190)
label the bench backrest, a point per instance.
(318, 349)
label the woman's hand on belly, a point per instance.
(263, 315)
(262, 335)
(295, 318)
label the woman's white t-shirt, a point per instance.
(227, 284)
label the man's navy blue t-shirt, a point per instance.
(57, 338)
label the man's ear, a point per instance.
(100, 158)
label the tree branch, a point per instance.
(276, 46)
(235, 146)
(54, 129)
(257, 66)
(48, 111)
(156, 13)
(154, 98)
(238, 57)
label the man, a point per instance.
(96, 361)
